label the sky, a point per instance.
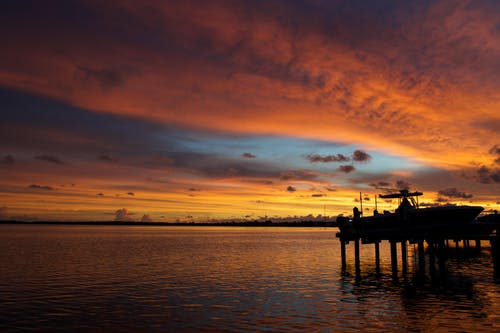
(213, 110)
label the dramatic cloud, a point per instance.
(314, 158)
(242, 66)
(106, 78)
(131, 193)
(49, 158)
(487, 175)
(290, 188)
(106, 158)
(452, 192)
(381, 185)
(123, 215)
(346, 168)
(330, 189)
(188, 94)
(495, 151)
(361, 156)
(7, 160)
(403, 185)
(100, 194)
(318, 195)
(41, 187)
(298, 175)
(146, 218)
(357, 156)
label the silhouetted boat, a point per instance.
(490, 218)
(410, 219)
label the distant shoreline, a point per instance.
(183, 224)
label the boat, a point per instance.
(410, 219)
(493, 218)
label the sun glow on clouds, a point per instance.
(211, 109)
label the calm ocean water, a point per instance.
(231, 279)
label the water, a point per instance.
(230, 279)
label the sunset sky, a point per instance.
(198, 110)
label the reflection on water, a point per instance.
(231, 279)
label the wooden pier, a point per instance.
(410, 224)
(435, 245)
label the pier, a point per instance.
(434, 244)
(437, 226)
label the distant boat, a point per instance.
(409, 218)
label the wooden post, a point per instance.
(432, 268)
(421, 256)
(404, 256)
(441, 257)
(377, 257)
(342, 253)
(394, 258)
(478, 245)
(356, 255)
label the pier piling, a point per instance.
(421, 256)
(432, 256)
(478, 245)
(356, 255)
(394, 258)
(404, 256)
(343, 254)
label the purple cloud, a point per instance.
(361, 156)
(402, 185)
(346, 168)
(452, 192)
(106, 158)
(41, 187)
(123, 215)
(314, 158)
(487, 175)
(49, 158)
(8, 160)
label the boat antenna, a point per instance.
(361, 202)
(376, 208)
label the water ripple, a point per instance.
(228, 280)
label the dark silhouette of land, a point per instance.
(156, 224)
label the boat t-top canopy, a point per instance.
(401, 194)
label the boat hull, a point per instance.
(425, 222)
